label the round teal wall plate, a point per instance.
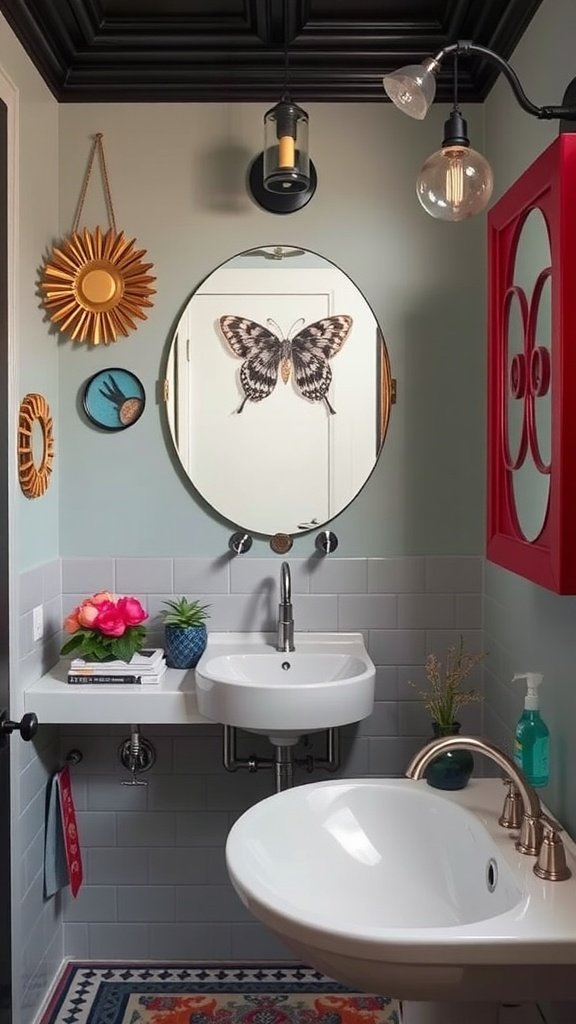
(114, 399)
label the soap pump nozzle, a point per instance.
(533, 681)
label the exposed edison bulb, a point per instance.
(455, 183)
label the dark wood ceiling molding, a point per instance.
(40, 39)
(88, 50)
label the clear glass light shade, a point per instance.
(286, 159)
(455, 183)
(412, 89)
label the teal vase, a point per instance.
(184, 645)
(453, 768)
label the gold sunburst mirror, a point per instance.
(96, 284)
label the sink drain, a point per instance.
(491, 874)
(286, 665)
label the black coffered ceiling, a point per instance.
(233, 50)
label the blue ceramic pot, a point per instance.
(184, 645)
(452, 769)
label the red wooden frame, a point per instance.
(549, 185)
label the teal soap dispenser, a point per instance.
(532, 738)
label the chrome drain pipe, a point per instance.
(283, 767)
(283, 761)
(333, 757)
(332, 761)
(232, 762)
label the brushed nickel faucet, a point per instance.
(538, 834)
(285, 641)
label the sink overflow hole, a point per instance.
(286, 665)
(491, 874)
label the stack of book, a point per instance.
(145, 668)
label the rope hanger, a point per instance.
(95, 284)
(97, 146)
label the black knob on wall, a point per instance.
(27, 727)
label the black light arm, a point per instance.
(566, 112)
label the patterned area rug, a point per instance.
(94, 993)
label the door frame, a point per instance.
(9, 659)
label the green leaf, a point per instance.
(182, 612)
(71, 645)
(124, 647)
(94, 646)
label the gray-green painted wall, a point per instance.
(526, 627)
(36, 353)
(177, 173)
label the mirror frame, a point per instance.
(550, 559)
(34, 474)
(386, 397)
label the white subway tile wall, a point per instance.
(155, 878)
(39, 925)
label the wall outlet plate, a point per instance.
(37, 622)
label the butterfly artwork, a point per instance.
(268, 354)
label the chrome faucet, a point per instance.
(531, 829)
(285, 640)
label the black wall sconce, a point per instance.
(283, 179)
(456, 181)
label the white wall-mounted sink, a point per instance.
(327, 681)
(393, 887)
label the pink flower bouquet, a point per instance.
(105, 627)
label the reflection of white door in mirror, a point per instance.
(529, 403)
(285, 461)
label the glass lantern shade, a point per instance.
(286, 158)
(455, 183)
(412, 88)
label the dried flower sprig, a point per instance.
(444, 698)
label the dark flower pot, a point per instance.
(452, 769)
(184, 645)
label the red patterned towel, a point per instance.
(70, 830)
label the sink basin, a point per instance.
(327, 681)
(393, 887)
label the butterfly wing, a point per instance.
(259, 373)
(259, 348)
(312, 347)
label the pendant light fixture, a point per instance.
(283, 178)
(456, 181)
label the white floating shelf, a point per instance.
(171, 702)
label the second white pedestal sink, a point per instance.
(395, 888)
(327, 681)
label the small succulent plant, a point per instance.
(182, 612)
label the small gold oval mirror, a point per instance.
(35, 445)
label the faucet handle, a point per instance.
(530, 838)
(551, 864)
(511, 816)
(240, 542)
(550, 823)
(326, 542)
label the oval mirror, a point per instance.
(279, 390)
